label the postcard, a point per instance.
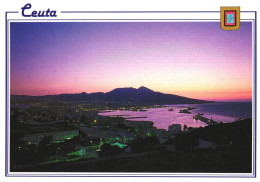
(130, 93)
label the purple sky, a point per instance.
(196, 59)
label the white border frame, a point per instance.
(150, 16)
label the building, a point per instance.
(83, 152)
(94, 145)
(158, 132)
(57, 136)
(174, 129)
(162, 139)
(140, 124)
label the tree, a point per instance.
(43, 147)
(122, 126)
(185, 127)
(108, 149)
(145, 144)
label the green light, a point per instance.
(77, 153)
(119, 145)
(58, 141)
(148, 134)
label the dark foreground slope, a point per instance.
(231, 155)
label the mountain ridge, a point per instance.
(141, 95)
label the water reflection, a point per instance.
(162, 117)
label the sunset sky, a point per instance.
(193, 59)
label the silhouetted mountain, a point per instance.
(127, 95)
(144, 89)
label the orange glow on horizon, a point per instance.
(167, 57)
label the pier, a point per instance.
(204, 119)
